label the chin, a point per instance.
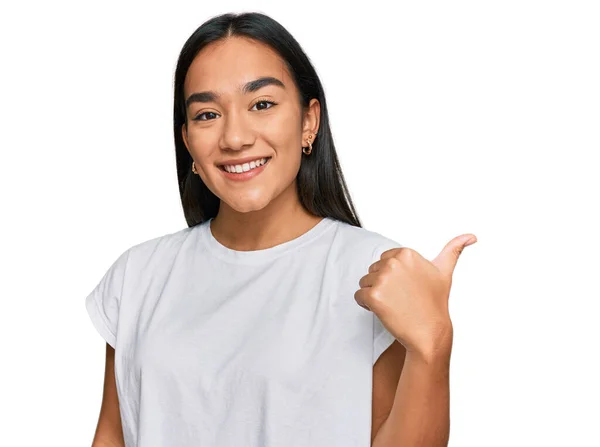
(248, 205)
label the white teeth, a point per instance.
(246, 166)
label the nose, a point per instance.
(237, 132)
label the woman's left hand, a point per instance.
(410, 295)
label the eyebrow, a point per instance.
(249, 87)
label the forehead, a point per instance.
(225, 65)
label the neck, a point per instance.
(282, 220)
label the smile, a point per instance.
(245, 167)
(245, 171)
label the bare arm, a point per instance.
(420, 404)
(386, 373)
(109, 432)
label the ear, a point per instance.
(310, 120)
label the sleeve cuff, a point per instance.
(381, 343)
(98, 320)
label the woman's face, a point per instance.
(227, 123)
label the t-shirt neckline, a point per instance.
(267, 254)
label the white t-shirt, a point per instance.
(268, 348)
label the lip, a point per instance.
(245, 175)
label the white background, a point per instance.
(449, 118)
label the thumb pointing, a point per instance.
(448, 257)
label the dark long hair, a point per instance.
(320, 183)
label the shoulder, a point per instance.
(359, 241)
(157, 250)
(160, 245)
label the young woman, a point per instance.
(261, 323)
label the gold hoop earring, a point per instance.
(307, 152)
(194, 167)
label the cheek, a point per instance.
(200, 144)
(195, 137)
(283, 136)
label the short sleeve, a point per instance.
(382, 338)
(103, 302)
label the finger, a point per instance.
(361, 297)
(447, 259)
(392, 252)
(375, 267)
(368, 280)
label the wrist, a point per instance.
(437, 349)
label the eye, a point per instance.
(212, 115)
(198, 117)
(264, 101)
